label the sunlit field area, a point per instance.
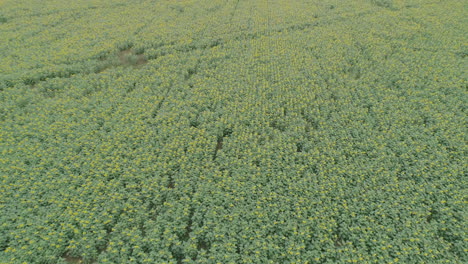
(233, 131)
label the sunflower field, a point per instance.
(233, 131)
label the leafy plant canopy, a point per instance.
(233, 131)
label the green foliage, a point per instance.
(383, 3)
(233, 132)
